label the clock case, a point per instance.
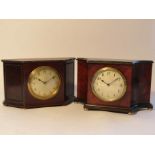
(16, 74)
(138, 78)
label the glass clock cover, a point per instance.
(109, 84)
(44, 82)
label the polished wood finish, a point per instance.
(142, 73)
(82, 81)
(123, 102)
(138, 78)
(16, 73)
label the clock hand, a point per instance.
(40, 80)
(105, 82)
(113, 81)
(49, 79)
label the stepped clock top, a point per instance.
(26, 60)
(115, 61)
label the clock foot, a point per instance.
(140, 107)
(150, 109)
(131, 113)
(78, 100)
(85, 108)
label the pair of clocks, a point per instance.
(112, 85)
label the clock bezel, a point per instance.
(53, 94)
(106, 69)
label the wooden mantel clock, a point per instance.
(114, 85)
(31, 83)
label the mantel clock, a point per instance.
(114, 85)
(31, 83)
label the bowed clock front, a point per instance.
(33, 83)
(114, 85)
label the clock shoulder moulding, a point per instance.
(114, 85)
(31, 83)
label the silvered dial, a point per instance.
(109, 84)
(44, 82)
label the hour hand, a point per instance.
(105, 82)
(40, 80)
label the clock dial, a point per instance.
(109, 84)
(44, 82)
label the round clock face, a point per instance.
(44, 82)
(109, 84)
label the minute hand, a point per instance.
(50, 79)
(113, 81)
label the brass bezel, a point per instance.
(108, 69)
(31, 75)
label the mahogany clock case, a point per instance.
(17, 71)
(138, 78)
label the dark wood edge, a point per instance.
(141, 106)
(113, 61)
(70, 100)
(70, 61)
(22, 105)
(14, 104)
(76, 99)
(106, 108)
(131, 110)
(12, 61)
